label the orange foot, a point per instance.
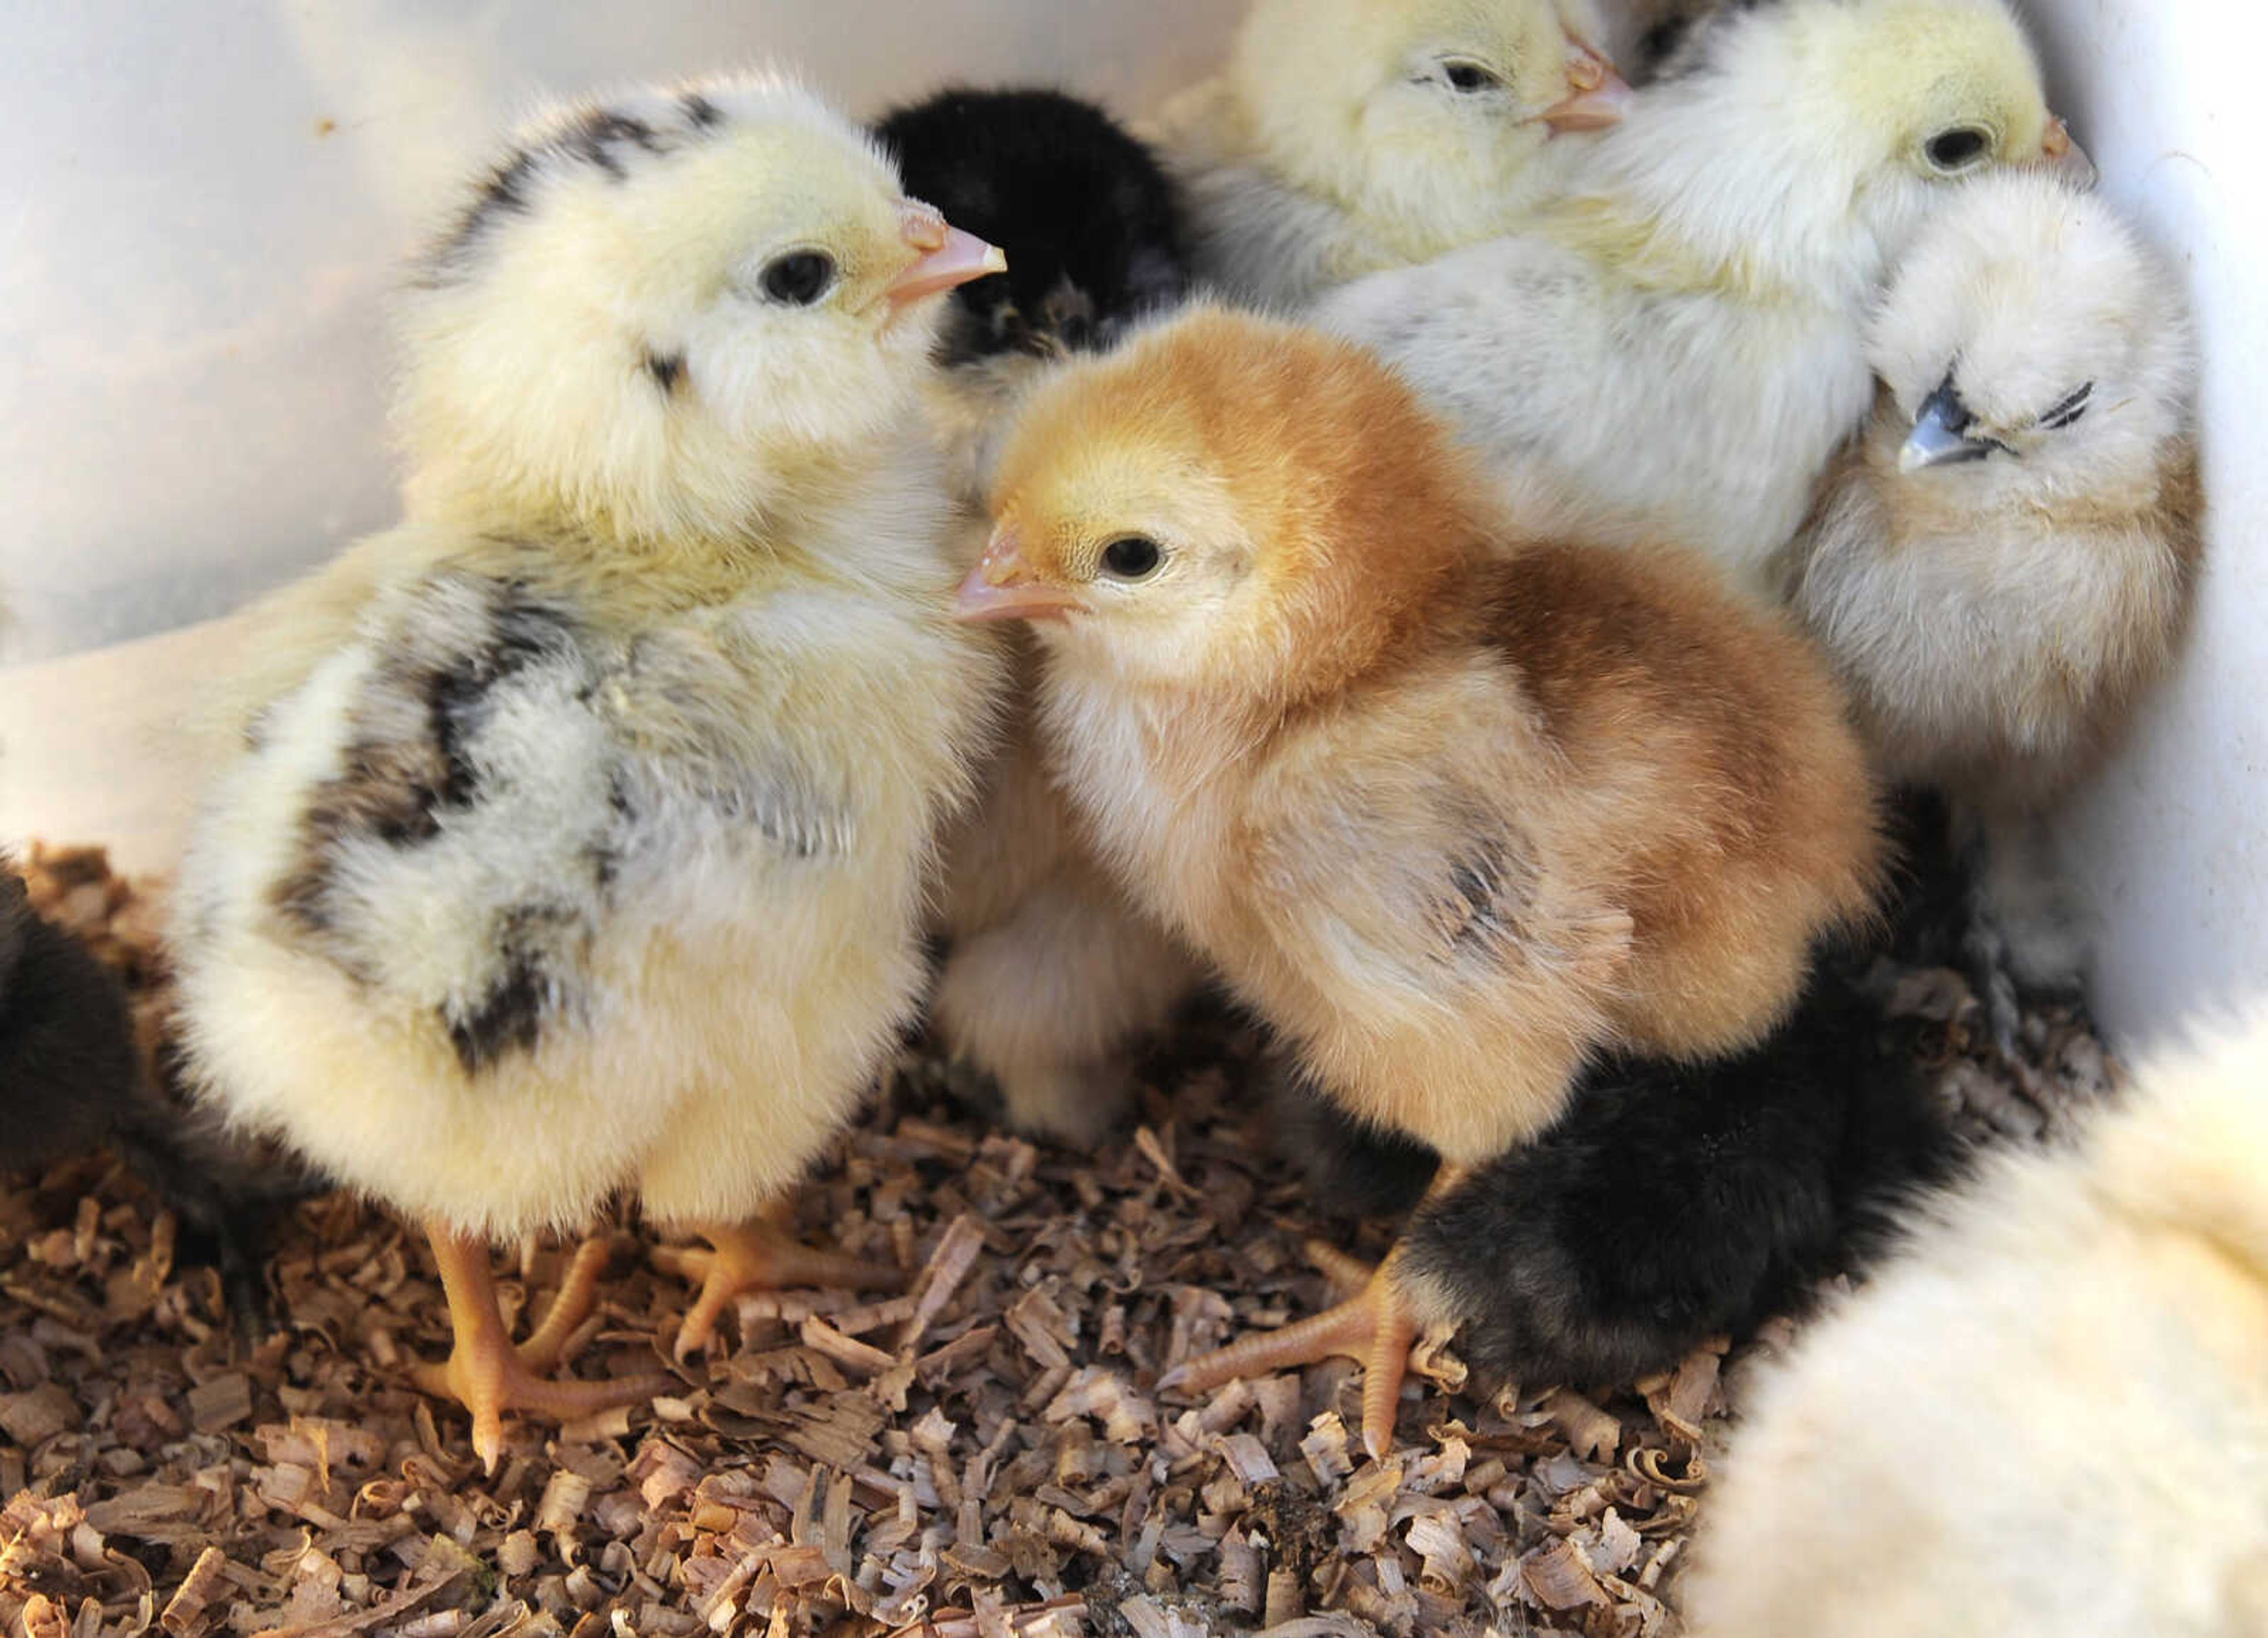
(1375, 1327)
(757, 1255)
(488, 1375)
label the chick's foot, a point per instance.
(489, 1375)
(1375, 1327)
(759, 1255)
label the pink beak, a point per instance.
(2060, 154)
(1597, 96)
(949, 257)
(1002, 586)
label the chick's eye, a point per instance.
(798, 278)
(1469, 77)
(1132, 557)
(1954, 150)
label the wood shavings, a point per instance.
(981, 1458)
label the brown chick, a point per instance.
(1450, 809)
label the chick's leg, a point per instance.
(759, 1254)
(1376, 1326)
(488, 1375)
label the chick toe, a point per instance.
(488, 1375)
(1375, 1327)
(757, 1255)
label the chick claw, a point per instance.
(488, 1375)
(1375, 1327)
(755, 1256)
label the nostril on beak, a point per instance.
(922, 226)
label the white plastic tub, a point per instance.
(204, 204)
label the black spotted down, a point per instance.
(1090, 222)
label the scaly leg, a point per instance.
(1375, 1327)
(760, 1254)
(488, 1375)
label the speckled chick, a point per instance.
(579, 839)
(1671, 348)
(1346, 135)
(2047, 1417)
(1447, 810)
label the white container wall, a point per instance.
(204, 204)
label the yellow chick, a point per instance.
(1347, 136)
(1449, 811)
(578, 838)
(2047, 1417)
(2006, 557)
(1671, 348)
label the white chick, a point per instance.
(2047, 1417)
(1347, 136)
(2007, 558)
(1671, 349)
(578, 843)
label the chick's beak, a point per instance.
(2065, 158)
(1597, 96)
(1940, 433)
(1003, 586)
(948, 257)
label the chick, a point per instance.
(579, 845)
(1049, 973)
(1349, 136)
(1671, 348)
(1670, 1202)
(2006, 557)
(71, 1080)
(1449, 811)
(2048, 1415)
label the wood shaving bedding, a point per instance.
(981, 1458)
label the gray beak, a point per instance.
(1941, 433)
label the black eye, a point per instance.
(1950, 150)
(800, 277)
(1470, 77)
(1132, 557)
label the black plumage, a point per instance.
(71, 1081)
(1088, 218)
(1669, 1203)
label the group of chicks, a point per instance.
(1449, 548)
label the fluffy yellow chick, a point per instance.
(1448, 810)
(576, 840)
(1347, 136)
(1052, 977)
(1671, 348)
(2047, 1418)
(2006, 557)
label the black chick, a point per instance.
(1670, 1204)
(71, 1081)
(1090, 224)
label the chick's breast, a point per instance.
(515, 902)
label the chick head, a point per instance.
(1863, 111)
(1226, 502)
(2029, 340)
(1087, 216)
(654, 315)
(1419, 116)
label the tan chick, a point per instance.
(2005, 559)
(577, 841)
(1347, 136)
(2047, 1417)
(1449, 811)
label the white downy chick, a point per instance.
(2007, 558)
(2047, 1417)
(1672, 350)
(1347, 136)
(577, 838)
